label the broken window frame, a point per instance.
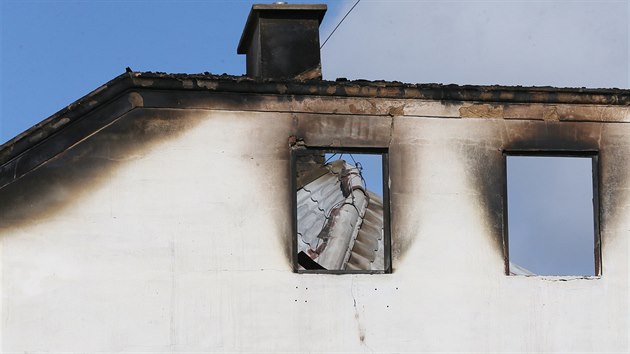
(597, 248)
(384, 153)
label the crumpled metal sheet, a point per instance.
(340, 223)
(368, 251)
(314, 204)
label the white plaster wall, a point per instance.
(489, 311)
(184, 249)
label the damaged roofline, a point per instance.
(384, 89)
(130, 81)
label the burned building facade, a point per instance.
(167, 213)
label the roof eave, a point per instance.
(65, 116)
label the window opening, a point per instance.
(341, 211)
(551, 217)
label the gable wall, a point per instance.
(170, 230)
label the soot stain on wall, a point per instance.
(403, 169)
(614, 179)
(486, 167)
(327, 130)
(64, 179)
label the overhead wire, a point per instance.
(339, 24)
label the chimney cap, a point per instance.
(277, 10)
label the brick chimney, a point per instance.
(281, 41)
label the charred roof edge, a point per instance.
(386, 89)
(64, 117)
(341, 88)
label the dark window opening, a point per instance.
(552, 224)
(341, 211)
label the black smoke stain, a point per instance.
(64, 179)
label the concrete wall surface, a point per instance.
(170, 231)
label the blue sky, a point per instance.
(548, 221)
(371, 168)
(54, 52)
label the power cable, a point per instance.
(339, 24)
